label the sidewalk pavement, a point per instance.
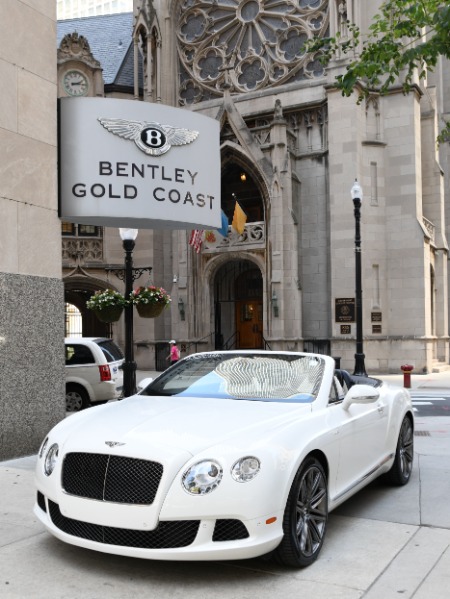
(420, 382)
(383, 543)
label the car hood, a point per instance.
(168, 425)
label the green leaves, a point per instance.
(402, 37)
(105, 299)
(405, 40)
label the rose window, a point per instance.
(246, 45)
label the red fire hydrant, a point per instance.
(407, 369)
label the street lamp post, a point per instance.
(128, 275)
(360, 368)
(128, 237)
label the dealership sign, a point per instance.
(136, 164)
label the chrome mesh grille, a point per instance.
(111, 478)
(168, 535)
(41, 501)
(229, 530)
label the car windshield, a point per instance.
(258, 377)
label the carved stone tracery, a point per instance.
(76, 47)
(246, 45)
(87, 250)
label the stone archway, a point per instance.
(77, 290)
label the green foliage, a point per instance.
(405, 40)
(150, 295)
(106, 299)
(404, 36)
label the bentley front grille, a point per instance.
(111, 478)
(168, 535)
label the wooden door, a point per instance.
(249, 323)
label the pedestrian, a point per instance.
(174, 354)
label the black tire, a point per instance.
(305, 516)
(77, 398)
(400, 473)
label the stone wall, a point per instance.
(31, 291)
(31, 361)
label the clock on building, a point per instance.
(75, 83)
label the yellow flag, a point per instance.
(239, 219)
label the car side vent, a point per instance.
(229, 530)
(41, 501)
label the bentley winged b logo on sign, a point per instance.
(138, 164)
(152, 138)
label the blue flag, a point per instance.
(224, 228)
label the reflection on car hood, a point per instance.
(171, 424)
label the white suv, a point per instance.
(93, 371)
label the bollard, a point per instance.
(407, 369)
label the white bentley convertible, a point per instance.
(226, 455)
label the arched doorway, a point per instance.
(238, 302)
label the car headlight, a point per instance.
(245, 469)
(203, 477)
(43, 447)
(51, 458)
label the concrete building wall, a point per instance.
(31, 292)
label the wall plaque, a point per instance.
(345, 309)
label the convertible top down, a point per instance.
(226, 455)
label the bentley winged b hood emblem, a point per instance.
(113, 443)
(152, 138)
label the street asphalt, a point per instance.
(383, 543)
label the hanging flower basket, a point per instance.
(107, 305)
(150, 310)
(109, 314)
(150, 301)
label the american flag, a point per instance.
(196, 239)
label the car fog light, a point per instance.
(50, 459)
(245, 469)
(202, 478)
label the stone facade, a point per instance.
(31, 290)
(291, 147)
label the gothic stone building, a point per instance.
(291, 148)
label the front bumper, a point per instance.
(190, 539)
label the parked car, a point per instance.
(93, 371)
(226, 455)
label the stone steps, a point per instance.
(439, 366)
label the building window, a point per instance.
(72, 230)
(256, 45)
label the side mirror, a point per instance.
(360, 394)
(142, 384)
